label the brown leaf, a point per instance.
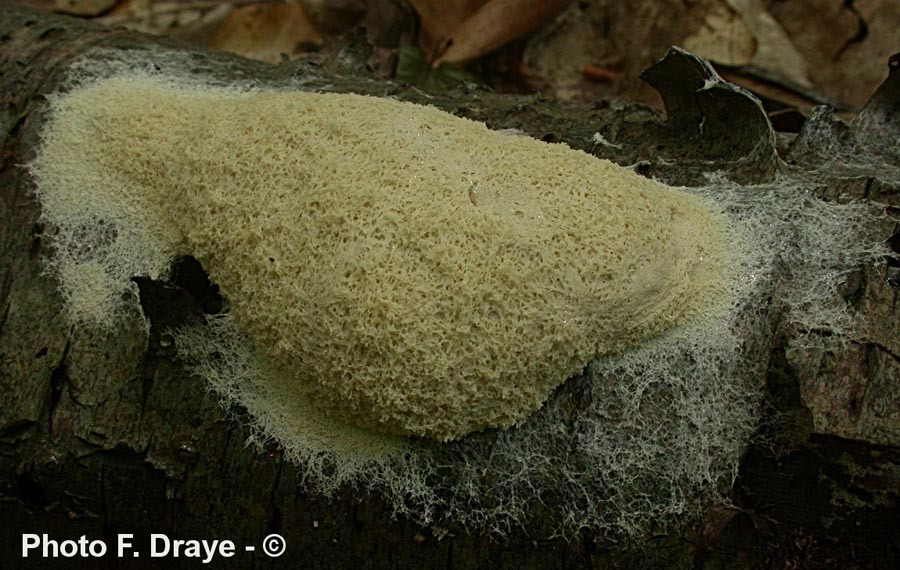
(496, 23)
(775, 52)
(191, 20)
(846, 46)
(439, 18)
(723, 37)
(265, 31)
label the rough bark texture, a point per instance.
(106, 435)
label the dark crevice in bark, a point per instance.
(5, 290)
(29, 490)
(17, 429)
(878, 346)
(190, 275)
(58, 381)
(4, 317)
(147, 379)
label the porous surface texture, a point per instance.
(407, 271)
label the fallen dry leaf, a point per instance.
(723, 37)
(775, 52)
(840, 47)
(192, 20)
(439, 18)
(495, 24)
(848, 47)
(739, 33)
(267, 32)
(836, 25)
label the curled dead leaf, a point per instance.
(267, 32)
(493, 25)
(723, 37)
(439, 18)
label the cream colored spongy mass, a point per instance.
(417, 273)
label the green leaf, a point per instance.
(415, 69)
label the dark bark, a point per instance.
(102, 439)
